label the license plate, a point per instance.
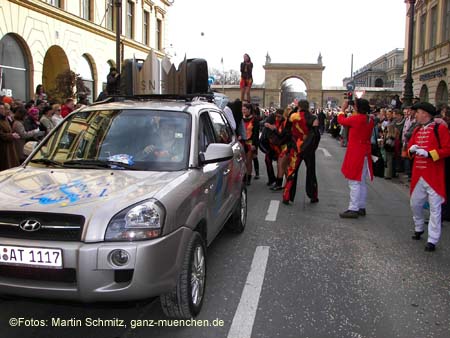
(28, 256)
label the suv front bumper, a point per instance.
(152, 269)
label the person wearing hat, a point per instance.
(429, 145)
(358, 157)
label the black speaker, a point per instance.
(197, 76)
(126, 78)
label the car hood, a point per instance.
(81, 192)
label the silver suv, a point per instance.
(119, 203)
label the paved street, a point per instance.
(313, 274)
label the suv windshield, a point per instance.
(119, 139)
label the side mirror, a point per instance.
(29, 147)
(216, 152)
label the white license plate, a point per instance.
(39, 257)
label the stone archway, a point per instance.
(55, 63)
(277, 73)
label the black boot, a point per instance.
(248, 179)
(430, 247)
(417, 235)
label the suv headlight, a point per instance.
(138, 222)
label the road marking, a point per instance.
(325, 152)
(272, 211)
(244, 318)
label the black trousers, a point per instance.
(311, 186)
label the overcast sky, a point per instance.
(292, 31)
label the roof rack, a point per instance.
(209, 97)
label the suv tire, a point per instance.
(186, 299)
(238, 219)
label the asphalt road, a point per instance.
(296, 271)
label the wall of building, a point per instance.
(38, 27)
(431, 62)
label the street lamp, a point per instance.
(118, 5)
(408, 95)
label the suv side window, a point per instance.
(206, 135)
(221, 128)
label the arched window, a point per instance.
(14, 78)
(424, 94)
(442, 94)
(85, 70)
(379, 82)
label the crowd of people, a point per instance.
(412, 141)
(21, 122)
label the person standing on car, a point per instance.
(429, 146)
(246, 77)
(358, 157)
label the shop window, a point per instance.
(442, 94)
(379, 82)
(85, 70)
(14, 77)
(424, 94)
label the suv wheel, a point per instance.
(238, 219)
(185, 300)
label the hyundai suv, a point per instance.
(119, 203)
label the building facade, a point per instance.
(384, 72)
(40, 39)
(431, 50)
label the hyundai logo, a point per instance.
(30, 225)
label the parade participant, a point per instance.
(308, 154)
(298, 131)
(357, 162)
(252, 138)
(429, 145)
(246, 77)
(278, 139)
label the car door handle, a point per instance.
(226, 172)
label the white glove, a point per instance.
(413, 148)
(422, 152)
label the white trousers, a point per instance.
(358, 190)
(424, 192)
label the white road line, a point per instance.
(243, 320)
(272, 211)
(325, 152)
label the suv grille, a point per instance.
(53, 227)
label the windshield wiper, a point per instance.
(100, 164)
(47, 162)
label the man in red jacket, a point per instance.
(429, 145)
(358, 161)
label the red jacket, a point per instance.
(65, 110)
(432, 168)
(358, 146)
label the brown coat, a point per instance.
(8, 154)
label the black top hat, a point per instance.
(428, 107)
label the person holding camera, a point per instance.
(358, 157)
